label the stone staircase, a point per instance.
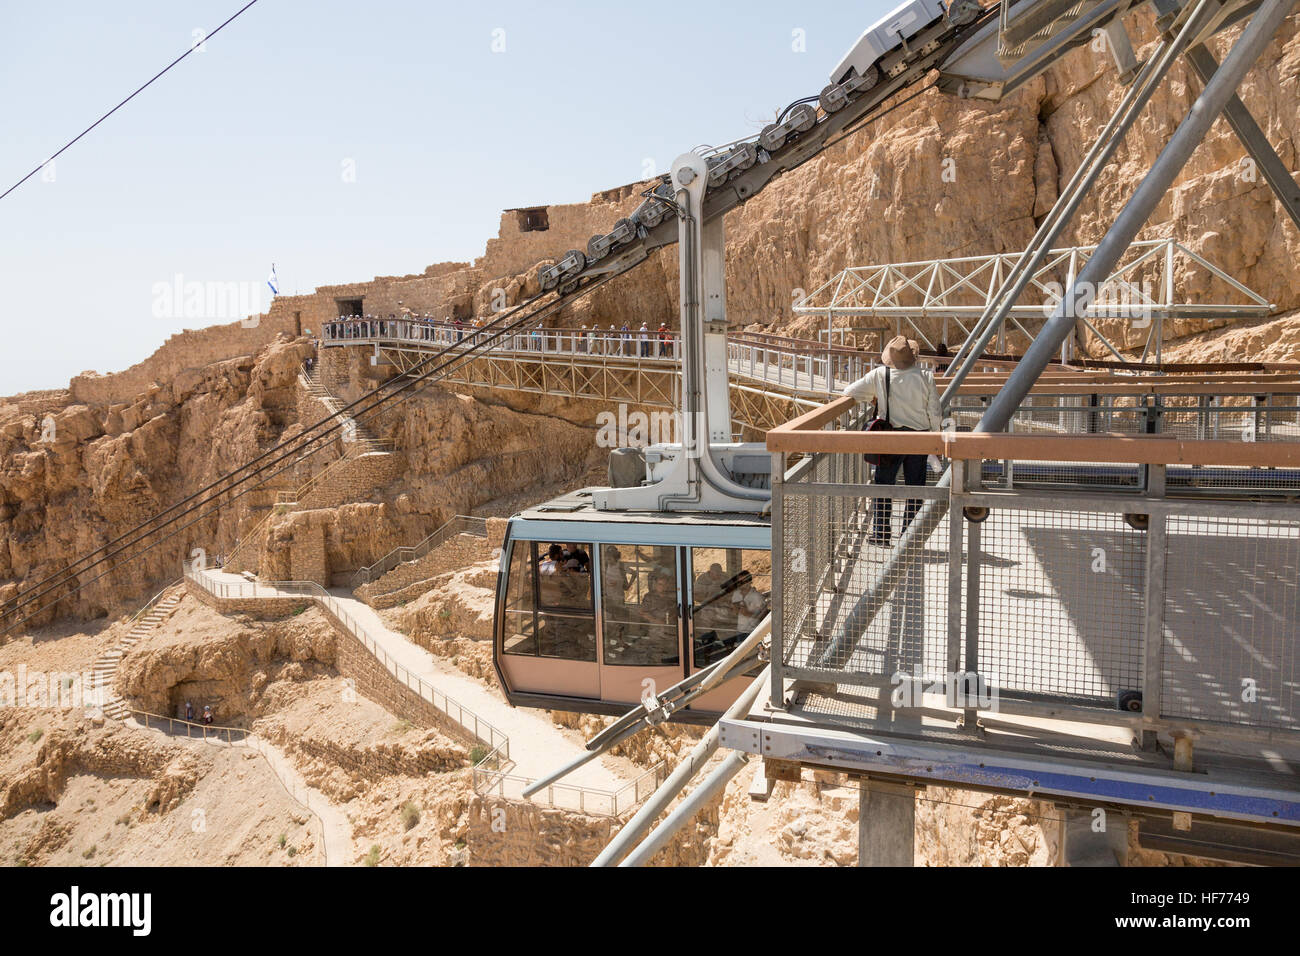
(411, 579)
(398, 568)
(146, 620)
(354, 432)
(366, 463)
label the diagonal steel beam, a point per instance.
(1252, 137)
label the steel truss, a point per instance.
(1140, 290)
(614, 379)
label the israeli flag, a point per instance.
(273, 281)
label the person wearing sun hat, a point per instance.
(905, 395)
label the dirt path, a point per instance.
(336, 831)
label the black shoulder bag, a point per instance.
(880, 423)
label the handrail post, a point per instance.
(777, 663)
(1153, 624)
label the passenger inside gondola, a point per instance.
(727, 608)
(549, 604)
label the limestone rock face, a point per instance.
(83, 475)
(208, 661)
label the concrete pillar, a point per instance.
(886, 824)
(1093, 839)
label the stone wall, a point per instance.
(454, 554)
(375, 682)
(515, 251)
(262, 608)
(352, 479)
(508, 833)
(459, 290)
(191, 349)
(378, 760)
(504, 832)
(39, 403)
(443, 291)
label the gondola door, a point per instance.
(728, 596)
(641, 620)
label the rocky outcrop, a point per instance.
(82, 476)
(228, 666)
(75, 746)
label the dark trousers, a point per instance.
(886, 474)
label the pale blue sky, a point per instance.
(235, 158)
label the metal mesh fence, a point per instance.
(1060, 415)
(837, 551)
(1267, 418)
(1061, 604)
(1231, 621)
(1013, 474)
(1058, 584)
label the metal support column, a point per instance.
(974, 548)
(1153, 622)
(777, 662)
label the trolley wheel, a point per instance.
(832, 99)
(1138, 522)
(771, 138)
(975, 515)
(1129, 701)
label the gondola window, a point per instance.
(549, 610)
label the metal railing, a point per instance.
(491, 772)
(105, 666)
(1246, 414)
(794, 364)
(233, 737)
(460, 524)
(193, 730)
(477, 728)
(491, 778)
(1077, 602)
(354, 432)
(597, 342)
(150, 604)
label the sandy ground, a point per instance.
(197, 805)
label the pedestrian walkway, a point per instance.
(534, 744)
(336, 829)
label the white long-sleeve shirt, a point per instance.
(913, 398)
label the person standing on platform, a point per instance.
(905, 396)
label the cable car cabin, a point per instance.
(592, 604)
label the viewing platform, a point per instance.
(1041, 627)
